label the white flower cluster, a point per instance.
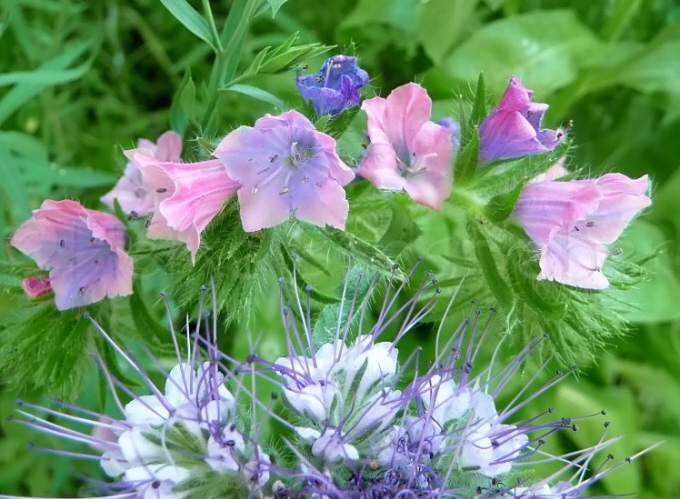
(182, 433)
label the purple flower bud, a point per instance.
(335, 87)
(513, 129)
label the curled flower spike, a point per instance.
(444, 430)
(573, 222)
(513, 129)
(408, 151)
(286, 168)
(335, 87)
(84, 251)
(189, 434)
(187, 196)
(130, 191)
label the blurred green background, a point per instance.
(83, 79)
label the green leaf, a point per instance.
(545, 48)
(655, 299)
(275, 5)
(441, 23)
(191, 19)
(44, 77)
(397, 13)
(25, 91)
(500, 207)
(258, 94)
(622, 13)
(351, 245)
(468, 159)
(143, 318)
(182, 107)
(488, 266)
(479, 105)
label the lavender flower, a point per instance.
(513, 129)
(335, 87)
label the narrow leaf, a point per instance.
(191, 19)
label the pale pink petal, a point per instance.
(407, 109)
(544, 207)
(189, 196)
(130, 191)
(570, 259)
(407, 151)
(329, 195)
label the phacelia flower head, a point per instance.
(83, 250)
(187, 196)
(335, 87)
(513, 129)
(573, 222)
(407, 151)
(285, 168)
(134, 197)
(193, 432)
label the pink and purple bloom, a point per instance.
(36, 286)
(285, 168)
(407, 151)
(132, 195)
(83, 250)
(513, 129)
(187, 196)
(573, 222)
(335, 87)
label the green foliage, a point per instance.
(47, 351)
(84, 79)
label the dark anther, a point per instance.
(438, 290)
(134, 214)
(322, 382)
(420, 258)
(606, 424)
(429, 273)
(62, 243)
(559, 373)
(628, 460)
(603, 412)
(251, 358)
(395, 266)
(610, 456)
(590, 224)
(92, 239)
(494, 443)
(204, 288)
(230, 443)
(232, 427)
(81, 290)
(541, 442)
(550, 410)
(574, 427)
(273, 158)
(275, 396)
(156, 484)
(308, 288)
(147, 223)
(493, 310)
(161, 190)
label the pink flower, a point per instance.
(83, 250)
(187, 196)
(408, 151)
(36, 286)
(129, 190)
(513, 129)
(286, 168)
(572, 222)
